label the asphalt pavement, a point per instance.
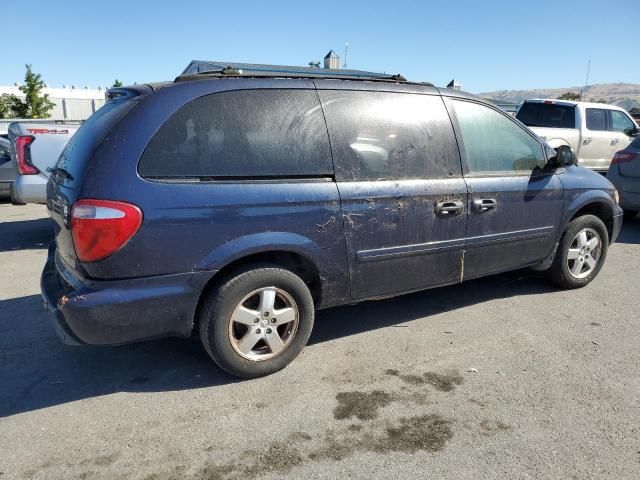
(505, 377)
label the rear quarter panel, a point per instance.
(203, 226)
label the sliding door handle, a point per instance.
(449, 209)
(483, 205)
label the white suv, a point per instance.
(594, 131)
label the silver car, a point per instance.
(7, 170)
(624, 173)
(35, 148)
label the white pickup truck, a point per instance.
(594, 131)
(35, 148)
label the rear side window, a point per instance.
(242, 134)
(596, 119)
(383, 135)
(78, 151)
(534, 114)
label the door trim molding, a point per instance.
(409, 250)
(401, 251)
(515, 236)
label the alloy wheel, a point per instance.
(263, 324)
(584, 253)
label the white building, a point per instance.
(71, 102)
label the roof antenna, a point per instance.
(346, 51)
(586, 82)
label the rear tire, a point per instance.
(630, 214)
(581, 253)
(257, 321)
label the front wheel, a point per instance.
(258, 321)
(581, 252)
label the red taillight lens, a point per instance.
(102, 227)
(23, 155)
(623, 157)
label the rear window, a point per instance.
(596, 119)
(390, 136)
(80, 148)
(242, 134)
(534, 114)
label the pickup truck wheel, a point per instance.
(258, 321)
(630, 214)
(581, 253)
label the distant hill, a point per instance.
(625, 95)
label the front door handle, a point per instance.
(449, 209)
(615, 141)
(483, 205)
(587, 141)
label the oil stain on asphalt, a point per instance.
(357, 428)
(445, 382)
(363, 405)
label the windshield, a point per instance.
(534, 114)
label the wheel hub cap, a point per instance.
(263, 324)
(584, 253)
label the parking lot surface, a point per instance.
(504, 377)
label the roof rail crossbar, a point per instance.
(231, 71)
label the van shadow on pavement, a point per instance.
(25, 234)
(38, 371)
(630, 231)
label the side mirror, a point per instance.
(635, 131)
(564, 157)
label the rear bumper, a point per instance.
(119, 311)
(30, 188)
(628, 189)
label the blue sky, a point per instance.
(486, 45)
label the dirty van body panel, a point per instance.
(523, 228)
(206, 226)
(396, 240)
(585, 187)
(397, 165)
(213, 221)
(513, 216)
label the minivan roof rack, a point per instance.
(198, 70)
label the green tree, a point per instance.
(569, 96)
(34, 105)
(116, 83)
(5, 106)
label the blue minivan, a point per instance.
(234, 205)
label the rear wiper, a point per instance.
(60, 171)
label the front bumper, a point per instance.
(115, 312)
(617, 225)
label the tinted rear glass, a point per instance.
(596, 119)
(245, 133)
(78, 151)
(395, 136)
(534, 114)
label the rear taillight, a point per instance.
(623, 157)
(23, 155)
(102, 227)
